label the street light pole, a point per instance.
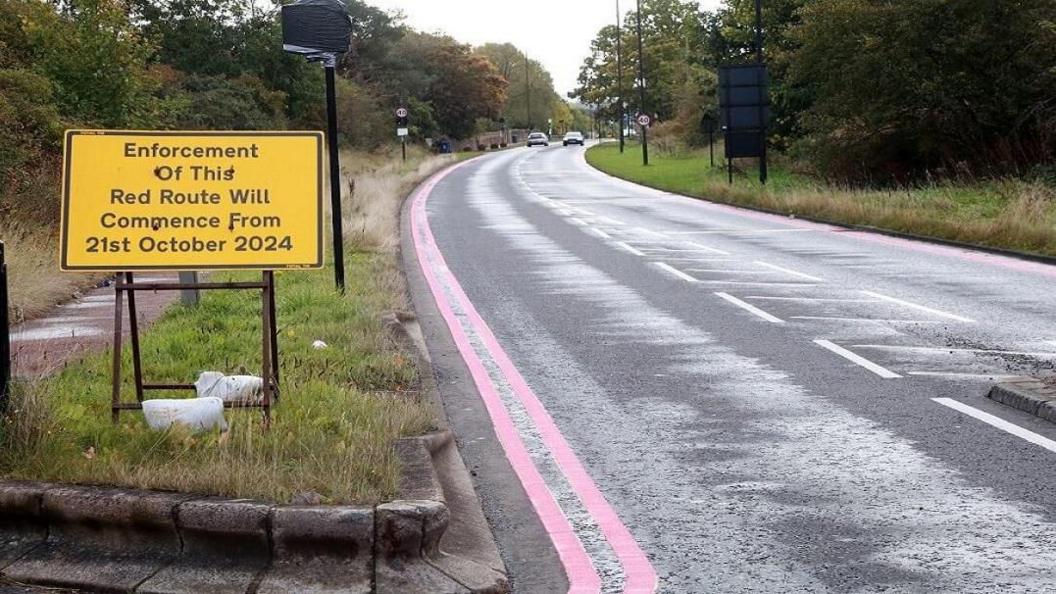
(641, 88)
(528, 90)
(763, 174)
(619, 74)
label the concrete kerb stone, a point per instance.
(225, 548)
(22, 527)
(101, 539)
(321, 549)
(1027, 394)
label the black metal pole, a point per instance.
(335, 174)
(5, 334)
(763, 174)
(711, 145)
(403, 146)
(619, 74)
(641, 88)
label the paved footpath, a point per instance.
(45, 345)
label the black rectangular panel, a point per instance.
(744, 144)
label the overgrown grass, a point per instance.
(35, 282)
(1010, 213)
(332, 432)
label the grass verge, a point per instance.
(341, 407)
(1008, 214)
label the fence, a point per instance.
(5, 334)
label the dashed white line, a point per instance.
(857, 359)
(812, 299)
(630, 249)
(919, 307)
(650, 232)
(751, 308)
(999, 423)
(888, 347)
(599, 233)
(701, 246)
(789, 271)
(578, 222)
(954, 374)
(762, 284)
(675, 271)
(872, 320)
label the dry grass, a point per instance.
(35, 282)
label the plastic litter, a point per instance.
(200, 414)
(230, 388)
(320, 345)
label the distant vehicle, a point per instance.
(538, 139)
(573, 138)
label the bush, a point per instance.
(494, 147)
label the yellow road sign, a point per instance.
(192, 200)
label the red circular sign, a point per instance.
(644, 120)
(401, 112)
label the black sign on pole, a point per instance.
(744, 103)
(319, 30)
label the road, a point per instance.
(695, 398)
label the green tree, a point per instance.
(530, 86)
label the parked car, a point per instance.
(538, 139)
(573, 138)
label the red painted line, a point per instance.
(579, 569)
(639, 575)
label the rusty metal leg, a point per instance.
(115, 405)
(274, 331)
(133, 327)
(266, 338)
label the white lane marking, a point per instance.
(578, 222)
(954, 374)
(741, 231)
(675, 271)
(599, 233)
(999, 423)
(789, 271)
(812, 299)
(729, 270)
(612, 221)
(751, 308)
(857, 359)
(919, 307)
(887, 347)
(873, 320)
(628, 247)
(701, 246)
(650, 232)
(761, 284)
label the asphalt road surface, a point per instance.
(687, 397)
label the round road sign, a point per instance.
(401, 112)
(644, 120)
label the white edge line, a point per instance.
(857, 359)
(872, 320)
(789, 271)
(999, 423)
(629, 248)
(751, 308)
(675, 271)
(919, 307)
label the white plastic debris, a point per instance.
(320, 345)
(230, 388)
(200, 414)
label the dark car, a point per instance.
(573, 138)
(538, 139)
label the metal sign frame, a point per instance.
(744, 94)
(269, 342)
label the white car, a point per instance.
(538, 139)
(573, 138)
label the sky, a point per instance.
(556, 33)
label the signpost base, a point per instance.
(269, 342)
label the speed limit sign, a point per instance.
(644, 120)
(401, 112)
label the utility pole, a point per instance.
(762, 109)
(528, 90)
(619, 74)
(641, 88)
